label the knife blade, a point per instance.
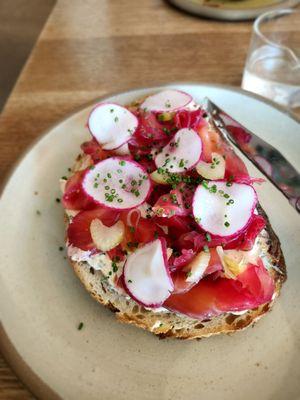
(263, 155)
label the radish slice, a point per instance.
(123, 150)
(112, 125)
(146, 275)
(167, 100)
(182, 153)
(214, 170)
(223, 208)
(117, 183)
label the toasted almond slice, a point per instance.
(62, 185)
(159, 178)
(83, 162)
(197, 266)
(169, 252)
(104, 237)
(232, 266)
(214, 170)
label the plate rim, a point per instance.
(228, 14)
(32, 382)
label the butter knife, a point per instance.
(262, 154)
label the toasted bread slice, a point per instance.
(169, 324)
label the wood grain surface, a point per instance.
(92, 47)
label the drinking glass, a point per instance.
(273, 63)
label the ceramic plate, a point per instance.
(42, 302)
(232, 10)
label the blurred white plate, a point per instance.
(231, 10)
(42, 302)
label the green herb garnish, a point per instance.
(80, 326)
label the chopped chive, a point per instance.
(205, 184)
(207, 237)
(80, 326)
(114, 266)
(213, 189)
(181, 163)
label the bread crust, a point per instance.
(169, 324)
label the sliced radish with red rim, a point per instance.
(181, 153)
(222, 208)
(117, 183)
(167, 101)
(112, 125)
(146, 276)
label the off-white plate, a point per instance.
(42, 302)
(232, 10)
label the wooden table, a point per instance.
(93, 47)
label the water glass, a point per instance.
(273, 63)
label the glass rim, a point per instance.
(273, 13)
(268, 15)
